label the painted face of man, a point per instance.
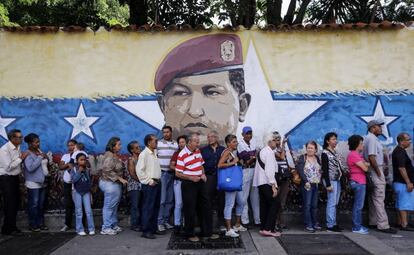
(204, 103)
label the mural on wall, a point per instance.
(219, 81)
(204, 84)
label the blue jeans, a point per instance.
(150, 207)
(310, 205)
(333, 199)
(178, 203)
(167, 197)
(35, 203)
(134, 200)
(85, 201)
(230, 199)
(359, 197)
(112, 195)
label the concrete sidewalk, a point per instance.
(129, 242)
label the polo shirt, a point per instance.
(190, 163)
(373, 146)
(211, 158)
(165, 150)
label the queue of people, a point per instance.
(179, 179)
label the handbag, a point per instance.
(230, 178)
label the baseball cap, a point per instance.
(247, 129)
(372, 123)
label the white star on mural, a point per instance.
(273, 115)
(379, 114)
(4, 122)
(81, 123)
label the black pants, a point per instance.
(9, 187)
(151, 196)
(69, 206)
(269, 207)
(196, 203)
(216, 197)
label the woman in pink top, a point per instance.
(357, 168)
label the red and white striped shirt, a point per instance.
(190, 163)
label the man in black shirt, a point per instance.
(403, 171)
(211, 155)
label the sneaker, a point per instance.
(309, 230)
(82, 233)
(161, 228)
(333, 229)
(388, 230)
(231, 233)
(223, 228)
(177, 230)
(214, 237)
(108, 231)
(361, 230)
(317, 227)
(168, 226)
(65, 228)
(239, 228)
(117, 229)
(91, 233)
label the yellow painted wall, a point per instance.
(100, 64)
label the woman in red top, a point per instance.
(357, 168)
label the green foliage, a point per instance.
(95, 13)
(91, 13)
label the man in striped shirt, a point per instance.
(194, 190)
(165, 149)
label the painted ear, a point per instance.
(244, 100)
(161, 103)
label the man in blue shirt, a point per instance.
(211, 155)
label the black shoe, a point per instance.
(406, 228)
(34, 229)
(148, 236)
(388, 230)
(372, 226)
(339, 228)
(136, 229)
(43, 227)
(333, 229)
(17, 232)
(160, 233)
(177, 230)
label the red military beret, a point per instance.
(204, 54)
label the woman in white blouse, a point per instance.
(264, 179)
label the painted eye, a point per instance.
(181, 93)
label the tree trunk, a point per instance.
(247, 13)
(274, 11)
(138, 12)
(290, 12)
(302, 11)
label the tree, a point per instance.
(272, 11)
(367, 11)
(92, 13)
(138, 12)
(235, 12)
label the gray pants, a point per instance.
(377, 214)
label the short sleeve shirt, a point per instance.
(67, 178)
(373, 146)
(190, 162)
(401, 159)
(357, 174)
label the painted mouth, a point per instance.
(195, 125)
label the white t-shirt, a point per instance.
(66, 175)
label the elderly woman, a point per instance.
(111, 185)
(309, 168)
(264, 179)
(35, 172)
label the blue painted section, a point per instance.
(342, 114)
